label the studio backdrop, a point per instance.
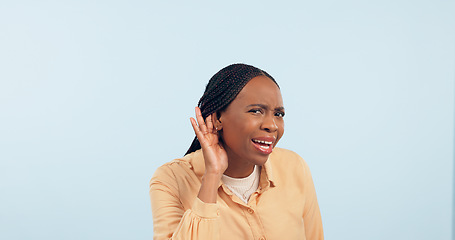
(95, 95)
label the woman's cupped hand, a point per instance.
(215, 156)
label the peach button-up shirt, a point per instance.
(283, 207)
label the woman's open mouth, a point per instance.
(263, 145)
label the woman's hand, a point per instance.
(216, 160)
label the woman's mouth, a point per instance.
(263, 146)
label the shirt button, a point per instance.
(262, 238)
(218, 212)
(251, 211)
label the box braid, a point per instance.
(222, 89)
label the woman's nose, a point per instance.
(269, 124)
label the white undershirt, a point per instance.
(243, 187)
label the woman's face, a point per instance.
(253, 123)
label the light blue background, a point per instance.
(95, 95)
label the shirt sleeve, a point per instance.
(171, 220)
(311, 214)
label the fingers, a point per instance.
(199, 134)
(205, 131)
(200, 120)
(209, 123)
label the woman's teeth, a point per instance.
(263, 142)
(263, 146)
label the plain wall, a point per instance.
(95, 95)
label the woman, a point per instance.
(233, 183)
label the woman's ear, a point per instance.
(216, 121)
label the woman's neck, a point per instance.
(238, 168)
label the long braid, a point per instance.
(222, 89)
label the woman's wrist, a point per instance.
(209, 187)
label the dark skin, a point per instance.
(255, 115)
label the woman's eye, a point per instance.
(258, 111)
(279, 114)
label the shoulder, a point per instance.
(169, 169)
(171, 172)
(288, 161)
(281, 154)
(178, 178)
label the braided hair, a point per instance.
(222, 89)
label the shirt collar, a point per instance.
(268, 171)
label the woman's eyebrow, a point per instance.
(265, 107)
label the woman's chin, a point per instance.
(260, 160)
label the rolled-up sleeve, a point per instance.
(171, 220)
